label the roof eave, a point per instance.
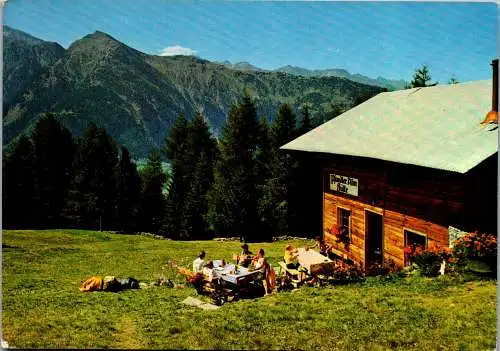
(460, 170)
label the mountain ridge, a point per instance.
(31, 55)
(137, 96)
(391, 84)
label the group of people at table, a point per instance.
(255, 263)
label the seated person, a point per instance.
(269, 277)
(259, 261)
(322, 247)
(290, 257)
(199, 263)
(244, 259)
(209, 272)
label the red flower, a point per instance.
(477, 246)
(408, 250)
(419, 250)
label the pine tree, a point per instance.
(54, 151)
(175, 141)
(175, 150)
(263, 154)
(263, 160)
(194, 224)
(19, 186)
(198, 162)
(233, 198)
(305, 122)
(128, 195)
(92, 198)
(199, 140)
(283, 129)
(278, 203)
(421, 78)
(153, 203)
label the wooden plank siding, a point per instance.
(422, 200)
(394, 225)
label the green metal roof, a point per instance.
(437, 127)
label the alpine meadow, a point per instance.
(249, 175)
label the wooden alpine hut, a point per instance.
(415, 166)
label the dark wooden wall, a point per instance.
(481, 196)
(424, 200)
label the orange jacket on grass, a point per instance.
(92, 284)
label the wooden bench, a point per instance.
(290, 271)
(293, 273)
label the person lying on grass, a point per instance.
(199, 263)
(244, 259)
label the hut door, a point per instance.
(374, 238)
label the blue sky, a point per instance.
(372, 38)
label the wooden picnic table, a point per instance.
(314, 262)
(240, 277)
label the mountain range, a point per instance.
(137, 96)
(390, 84)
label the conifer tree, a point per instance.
(92, 198)
(233, 197)
(175, 141)
(194, 224)
(263, 160)
(421, 78)
(278, 203)
(54, 151)
(19, 186)
(263, 154)
(199, 158)
(283, 129)
(305, 122)
(128, 195)
(175, 150)
(153, 203)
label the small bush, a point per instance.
(348, 274)
(387, 268)
(476, 246)
(428, 261)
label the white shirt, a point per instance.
(198, 265)
(210, 273)
(260, 264)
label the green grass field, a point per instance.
(43, 308)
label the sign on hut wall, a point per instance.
(454, 234)
(343, 184)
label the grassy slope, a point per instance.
(42, 306)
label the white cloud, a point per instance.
(177, 50)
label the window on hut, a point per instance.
(412, 238)
(343, 217)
